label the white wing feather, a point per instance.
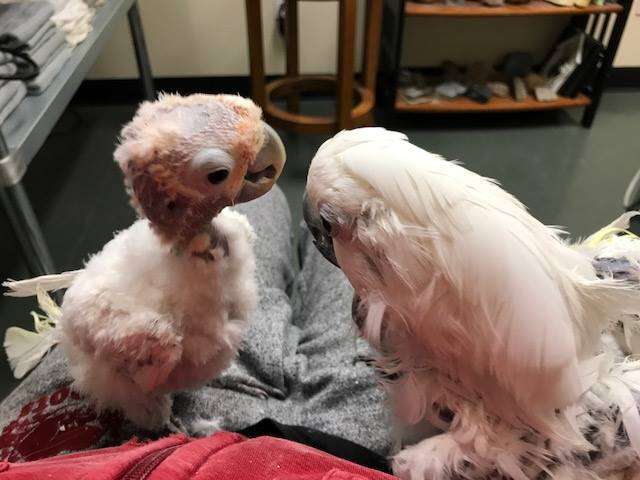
(487, 295)
(49, 283)
(490, 249)
(25, 349)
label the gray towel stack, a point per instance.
(50, 53)
(24, 23)
(27, 27)
(49, 71)
(44, 50)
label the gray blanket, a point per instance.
(301, 359)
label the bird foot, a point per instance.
(436, 458)
(175, 425)
(151, 413)
(201, 427)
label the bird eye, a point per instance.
(171, 205)
(218, 176)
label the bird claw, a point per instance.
(431, 459)
(201, 427)
(255, 391)
(175, 425)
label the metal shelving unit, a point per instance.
(25, 131)
(594, 19)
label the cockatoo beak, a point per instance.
(322, 238)
(265, 169)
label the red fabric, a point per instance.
(61, 421)
(223, 456)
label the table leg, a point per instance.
(142, 56)
(27, 229)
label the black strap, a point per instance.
(336, 446)
(26, 68)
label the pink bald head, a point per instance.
(186, 158)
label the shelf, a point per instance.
(463, 104)
(29, 125)
(477, 9)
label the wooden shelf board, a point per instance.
(463, 104)
(477, 9)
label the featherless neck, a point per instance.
(208, 244)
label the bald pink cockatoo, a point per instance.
(494, 336)
(163, 306)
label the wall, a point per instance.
(430, 41)
(629, 51)
(208, 38)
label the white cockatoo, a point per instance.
(491, 330)
(163, 306)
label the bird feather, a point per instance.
(24, 348)
(49, 283)
(487, 311)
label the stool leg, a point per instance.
(346, 41)
(256, 53)
(372, 44)
(291, 30)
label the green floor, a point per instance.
(565, 174)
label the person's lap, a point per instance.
(300, 360)
(338, 390)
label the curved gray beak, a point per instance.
(264, 171)
(322, 238)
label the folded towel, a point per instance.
(44, 51)
(39, 35)
(49, 72)
(20, 22)
(17, 66)
(11, 94)
(7, 69)
(7, 90)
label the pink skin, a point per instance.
(159, 152)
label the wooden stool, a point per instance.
(293, 84)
